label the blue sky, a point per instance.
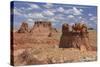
(56, 13)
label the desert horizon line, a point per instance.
(48, 21)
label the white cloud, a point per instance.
(20, 12)
(59, 17)
(52, 10)
(80, 17)
(83, 21)
(48, 5)
(60, 9)
(47, 13)
(74, 11)
(89, 14)
(81, 10)
(52, 19)
(35, 15)
(30, 20)
(70, 16)
(93, 18)
(29, 8)
(23, 8)
(17, 11)
(33, 6)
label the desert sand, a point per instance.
(40, 45)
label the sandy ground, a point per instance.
(32, 49)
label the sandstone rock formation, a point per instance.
(24, 28)
(75, 38)
(43, 28)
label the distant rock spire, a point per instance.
(23, 28)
